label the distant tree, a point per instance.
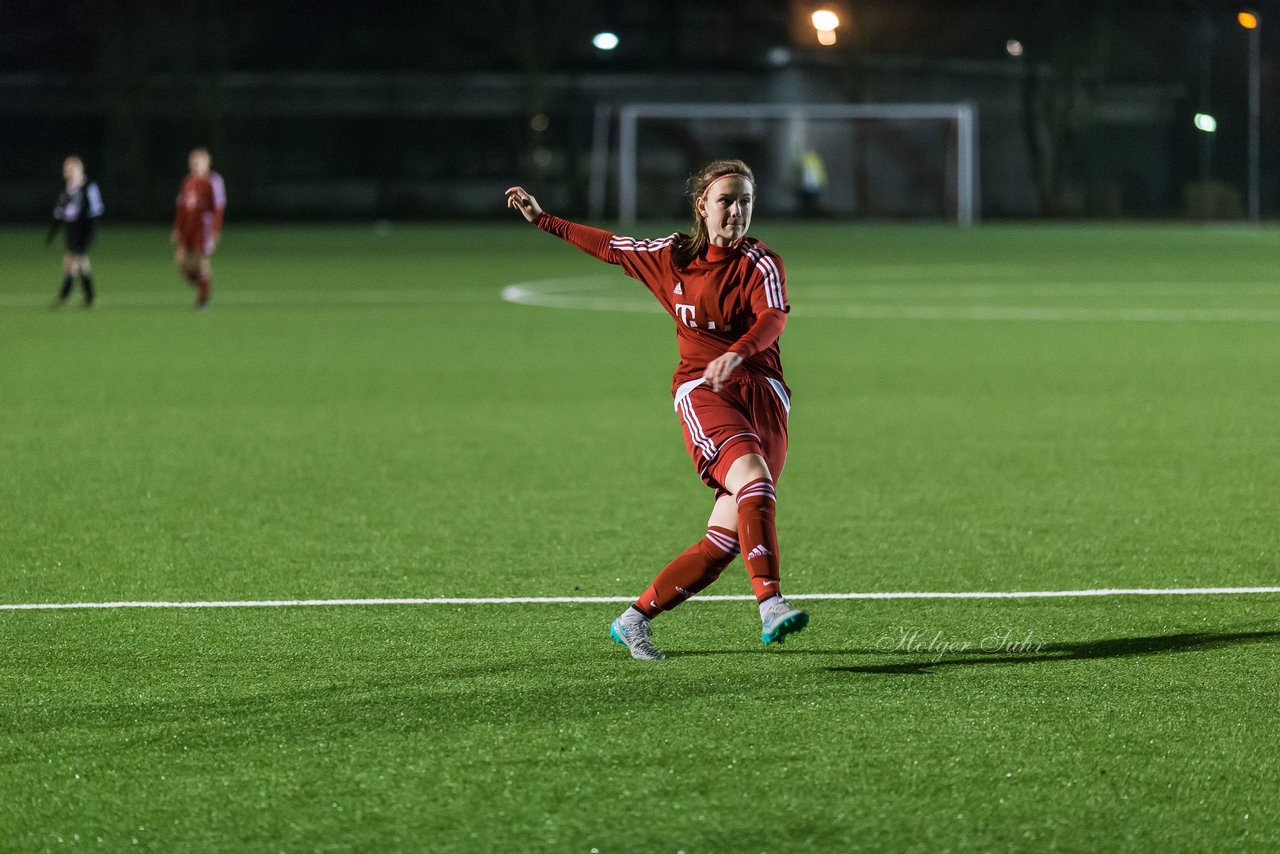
(1064, 72)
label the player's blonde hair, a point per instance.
(690, 246)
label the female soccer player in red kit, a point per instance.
(727, 295)
(197, 223)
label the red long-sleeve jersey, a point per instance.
(729, 299)
(200, 205)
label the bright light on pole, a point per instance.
(1207, 125)
(825, 19)
(605, 41)
(825, 22)
(1251, 22)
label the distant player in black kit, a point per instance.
(77, 208)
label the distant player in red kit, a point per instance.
(197, 224)
(727, 294)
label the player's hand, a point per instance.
(719, 369)
(519, 198)
(173, 237)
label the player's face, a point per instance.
(726, 209)
(199, 164)
(72, 171)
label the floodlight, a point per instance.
(1206, 122)
(605, 41)
(1248, 18)
(825, 19)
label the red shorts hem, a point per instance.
(747, 416)
(199, 243)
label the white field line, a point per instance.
(577, 294)
(165, 299)
(584, 294)
(567, 293)
(864, 289)
(1063, 314)
(597, 600)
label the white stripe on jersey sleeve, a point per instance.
(219, 191)
(772, 278)
(95, 200)
(630, 244)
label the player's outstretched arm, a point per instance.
(520, 199)
(593, 241)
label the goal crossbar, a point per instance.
(629, 115)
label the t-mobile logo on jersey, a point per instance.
(686, 313)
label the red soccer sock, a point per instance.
(692, 571)
(758, 532)
(203, 285)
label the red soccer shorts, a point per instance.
(198, 239)
(747, 416)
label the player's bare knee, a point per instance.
(747, 469)
(757, 469)
(724, 514)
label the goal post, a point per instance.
(890, 160)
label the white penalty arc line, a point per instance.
(577, 294)
(600, 600)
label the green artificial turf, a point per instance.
(359, 415)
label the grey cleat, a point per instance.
(634, 635)
(778, 619)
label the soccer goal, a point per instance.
(873, 161)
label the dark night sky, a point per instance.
(1142, 40)
(105, 58)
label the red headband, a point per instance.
(725, 175)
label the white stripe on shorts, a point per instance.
(781, 391)
(683, 391)
(700, 439)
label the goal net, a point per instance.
(873, 161)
